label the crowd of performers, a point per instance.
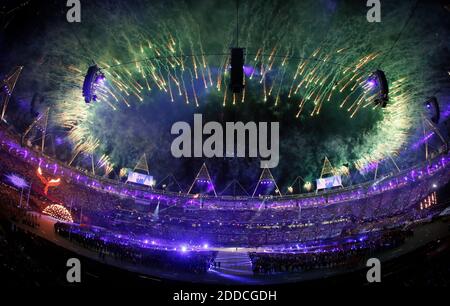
(126, 252)
(348, 255)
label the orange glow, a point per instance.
(58, 212)
(46, 181)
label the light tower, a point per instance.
(7, 87)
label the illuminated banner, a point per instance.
(141, 179)
(329, 182)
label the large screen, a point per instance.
(329, 182)
(141, 179)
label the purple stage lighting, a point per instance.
(372, 83)
(16, 180)
(248, 70)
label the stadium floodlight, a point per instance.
(308, 186)
(94, 78)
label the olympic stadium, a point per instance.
(88, 105)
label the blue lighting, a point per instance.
(16, 180)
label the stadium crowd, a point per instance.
(90, 205)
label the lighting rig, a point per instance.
(378, 80)
(93, 79)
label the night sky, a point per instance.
(411, 45)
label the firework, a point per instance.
(176, 57)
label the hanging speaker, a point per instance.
(94, 78)
(383, 87)
(237, 70)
